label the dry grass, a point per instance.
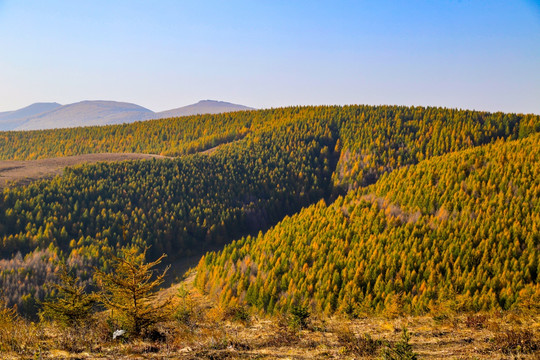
(360, 345)
(206, 331)
(266, 338)
(516, 341)
(476, 321)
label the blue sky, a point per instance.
(481, 55)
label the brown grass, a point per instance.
(516, 341)
(266, 338)
(208, 331)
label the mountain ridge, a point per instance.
(40, 116)
(13, 118)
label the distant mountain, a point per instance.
(11, 119)
(203, 107)
(89, 113)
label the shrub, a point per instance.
(17, 334)
(238, 313)
(298, 317)
(73, 307)
(185, 313)
(401, 350)
(476, 321)
(363, 345)
(516, 341)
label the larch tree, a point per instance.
(131, 290)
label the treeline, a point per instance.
(373, 139)
(378, 139)
(175, 206)
(459, 231)
(172, 137)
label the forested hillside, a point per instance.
(460, 230)
(271, 163)
(378, 139)
(180, 206)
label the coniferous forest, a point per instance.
(351, 211)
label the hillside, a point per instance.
(457, 231)
(336, 224)
(25, 172)
(178, 206)
(271, 164)
(86, 113)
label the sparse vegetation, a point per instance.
(516, 341)
(476, 321)
(71, 306)
(401, 350)
(363, 345)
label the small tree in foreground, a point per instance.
(298, 317)
(8, 318)
(130, 291)
(402, 350)
(73, 305)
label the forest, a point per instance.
(390, 169)
(458, 231)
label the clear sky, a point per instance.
(482, 55)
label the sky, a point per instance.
(482, 55)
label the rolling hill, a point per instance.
(202, 107)
(91, 113)
(336, 218)
(271, 164)
(86, 113)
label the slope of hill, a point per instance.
(91, 113)
(373, 139)
(459, 230)
(9, 120)
(283, 159)
(178, 206)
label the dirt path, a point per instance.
(24, 172)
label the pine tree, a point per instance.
(130, 290)
(73, 305)
(402, 350)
